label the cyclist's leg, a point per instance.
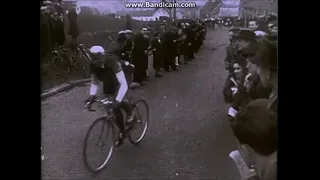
(119, 119)
(126, 106)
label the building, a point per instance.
(230, 8)
(146, 15)
(211, 9)
(256, 8)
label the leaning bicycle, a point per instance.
(109, 129)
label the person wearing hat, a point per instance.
(246, 42)
(128, 45)
(156, 46)
(106, 67)
(266, 61)
(169, 50)
(191, 35)
(140, 56)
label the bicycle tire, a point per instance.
(145, 128)
(60, 64)
(79, 66)
(111, 127)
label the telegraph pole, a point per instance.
(174, 10)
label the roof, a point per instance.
(231, 3)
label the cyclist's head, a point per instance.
(121, 36)
(97, 52)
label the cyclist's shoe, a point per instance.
(119, 141)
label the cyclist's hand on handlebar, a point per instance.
(115, 104)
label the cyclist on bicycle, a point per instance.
(106, 67)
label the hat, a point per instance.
(121, 32)
(266, 55)
(247, 35)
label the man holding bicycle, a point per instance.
(106, 67)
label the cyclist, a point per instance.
(106, 67)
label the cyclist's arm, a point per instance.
(117, 69)
(123, 86)
(94, 85)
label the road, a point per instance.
(188, 137)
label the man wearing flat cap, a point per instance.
(266, 61)
(246, 41)
(128, 45)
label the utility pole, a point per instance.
(174, 10)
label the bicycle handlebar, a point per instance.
(105, 102)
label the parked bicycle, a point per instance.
(65, 61)
(109, 130)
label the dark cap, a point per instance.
(266, 55)
(246, 35)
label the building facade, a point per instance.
(256, 8)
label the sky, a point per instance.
(111, 6)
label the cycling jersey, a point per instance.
(106, 72)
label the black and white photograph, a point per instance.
(159, 89)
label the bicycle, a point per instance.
(65, 61)
(108, 121)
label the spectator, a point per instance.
(73, 29)
(255, 127)
(169, 43)
(231, 49)
(156, 45)
(139, 56)
(128, 45)
(234, 81)
(266, 61)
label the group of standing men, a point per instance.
(170, 47)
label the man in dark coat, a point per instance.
(73, 29)
(140, 56)
(156, 46)
(190, 39)
(128, 46)
(169, 44)
(231, 49)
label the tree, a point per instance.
(128, 22)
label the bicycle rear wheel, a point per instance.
(140, 108)
(103, 132)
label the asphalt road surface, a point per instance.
(188, 137)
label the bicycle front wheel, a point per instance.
(104, 133)
(141, 110)
(60, 64)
